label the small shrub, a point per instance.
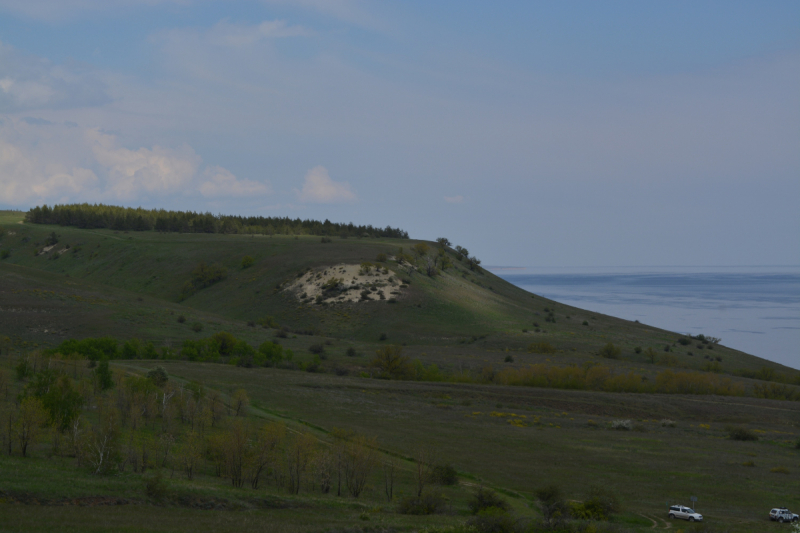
(325, 240)
(667, 423)
(444, 475)
(541, 347)
(797, 444)
(381, 257)
(158, 376)
(779, 470)
(609, 351)
(486, 499)
(428, 503)
(5, 254)
(741, 433)
(156, 487)
(621, 425)
(509, 359)
(197, 327)
(248, 261)
(585, 323)
(492, 520)
(181, 319)
(748, 463)
(637, 350)
(351, 352)
(383, 337)
(316, 349)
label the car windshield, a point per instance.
(692, 511)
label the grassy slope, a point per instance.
(433, 314)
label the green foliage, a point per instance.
(428, 503)
(741, 433)
(203, 276)
(600, 505)
(609, 351)
(541, 347)
(248, 261)
(61, 401)
(52, 239)
(5, 254)
(381, 257)
(492, 520)
(444, 475)
(197, 327)
(158, 376)
(270, 354)
(486, 499)
(156, 486)
(93, 349)
(509, 359)
(131, 349)
(103, 375)
(122, 218)
(390, 363)
(551, 501)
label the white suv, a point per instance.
(782, 514)
(686, 513)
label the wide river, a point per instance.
(753, 309)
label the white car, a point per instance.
(686, 513)
(782, 514)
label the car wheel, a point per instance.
(691, 519)
(671, 516)
(780, 520)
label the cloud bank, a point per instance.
(42, 161)
(319, 188)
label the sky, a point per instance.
(576, 133)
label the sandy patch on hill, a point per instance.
(346, 283)
(46, 249)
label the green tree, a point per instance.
(103, 376)
(391, 363)
(609, 351)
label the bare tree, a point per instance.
(360, 459)
(235, 449)
(298, 455)
(425, 463)
(239, 402)
(265, 449)
(191, 453)
(32, 417)
(388, 478)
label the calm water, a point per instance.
(753, 309)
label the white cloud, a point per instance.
(29, 82)
(319, 188)
(454, 199)
(131, 172)
(221, 182)
(42, 161)
(226, 34)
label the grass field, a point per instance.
(512, 439)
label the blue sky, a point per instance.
(533, 133)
